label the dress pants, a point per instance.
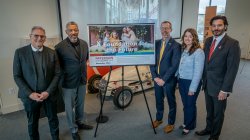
(189, 103)
(74, 105)
(168, 90)
(215, 114)
(32, 109)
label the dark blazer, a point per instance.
(220, 72)
(169, 62)
(25, 75)
(74, 66)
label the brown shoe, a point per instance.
(156, 123)
(168, 128)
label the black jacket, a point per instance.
(24, 71)
(73, 65)
(220, 72)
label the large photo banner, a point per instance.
(121, 44)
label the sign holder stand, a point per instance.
(104, 84)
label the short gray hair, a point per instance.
(71, 23)
(37, 27)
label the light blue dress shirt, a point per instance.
(218, 39)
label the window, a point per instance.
(145, 11)
(86, 12)
(221, 5)
(137, 11)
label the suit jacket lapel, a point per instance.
(158, 49)
(219, 47)
(44, 57)
(81, 50)
(207, 48)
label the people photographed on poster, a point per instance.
(125, 35)
(131, 34)
(167, 56)
(189, 76)
(222, 58)
(115, 41)
(125, 39)
(106, 40)
(132, 37)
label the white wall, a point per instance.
(80, 11)
(170, 10)
(190, 15)
(237, 12)
(17, 18)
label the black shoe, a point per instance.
(211, 138)
(203, 132)
(185, 133)
(182, 126)
(55, 138)
(76, 136)
(84, 126)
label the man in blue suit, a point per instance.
(168, 53)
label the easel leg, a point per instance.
(102, 102)
(145, 97)
(101, 118)
(122, 87)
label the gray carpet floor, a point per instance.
(133, 123)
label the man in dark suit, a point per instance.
(168, 53)
(222, 57)
(73, 55)
(36, 72)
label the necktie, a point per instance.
(161, 53)
(211, 49)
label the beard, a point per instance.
(73, 39)
(218, 32)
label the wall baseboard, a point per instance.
(11, 108)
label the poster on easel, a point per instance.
(121, 44)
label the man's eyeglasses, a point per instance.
(37, 36)
(71, 30)
(165, 28)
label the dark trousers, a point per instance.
(215, 114)
(189, 103)
(32, 109)
(167, 90)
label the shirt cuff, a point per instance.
(227, 93)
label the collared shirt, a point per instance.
(167, 39)
(218, 39)
(35, 49)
